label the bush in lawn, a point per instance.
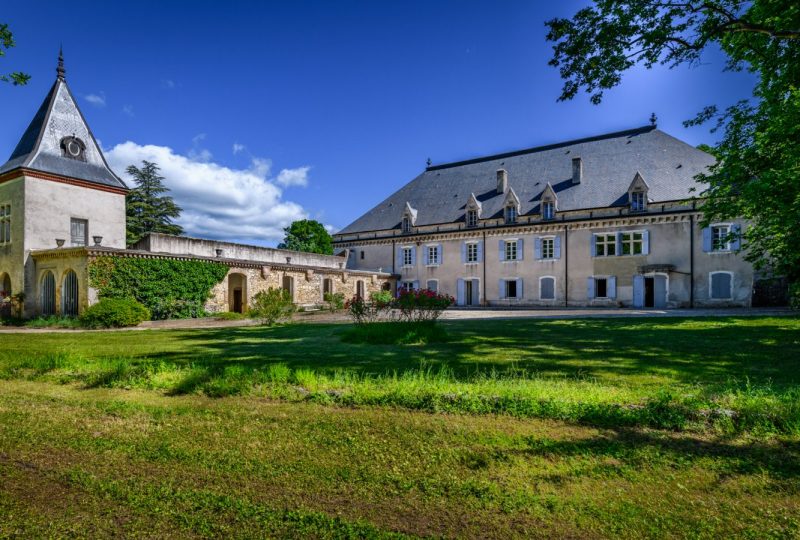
(114, 313)
(272, 306)
(363, 312)
(381, 298)
(172, 308)
(422, 305)
(335, 300)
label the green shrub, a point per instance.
(381, 298)
(171, 308)
(272, 306)
(335, 301)
(53, 321)
(114, 313)
(229, 316)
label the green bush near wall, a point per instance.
(168, 288)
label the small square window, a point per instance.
(472, 253)
(548, 248)
(605, 245)
(511, 250)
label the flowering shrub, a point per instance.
(363, 312)
(422, 305)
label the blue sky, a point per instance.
(264, 112)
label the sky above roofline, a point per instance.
(261, 113)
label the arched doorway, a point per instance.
(5, 295)
(237, 293)
(47, 294)
(69, 294)
(360, 289)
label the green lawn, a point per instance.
(606, 427)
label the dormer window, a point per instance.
(73, 148)
(511, 214)
(406, 225)
(548, 210)
(638, 201)
(472, 218)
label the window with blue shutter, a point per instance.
(707, 243)
(590, 290)
(460, 292)
(547, 288)
(501, 249)
(612, 287)
(537, 248)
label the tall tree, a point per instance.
(307, 235)
(148, 209)
(6, 42)
(758, 167)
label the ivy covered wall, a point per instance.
(169, 288)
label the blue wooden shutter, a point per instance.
(463, 252)
(480, 251)
(557, 247)
(638, 291)
(594, 247)
(413, 256)
(501, 289)
(618, 250)
(425, 255)
(520, 249)
(707, 244)
(537, 247)
(646, 243)
(736, 241)
(440, 253)
(590, 288)
(519, 288)
(399, 259)
(502, 249)
(460, 292)
(415, 285)
(612, 287)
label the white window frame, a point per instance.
(551, 240)
(555, 292)
(504, 293)
(727, 248)
(408, 257)
(473, 246)
(5, 223)
(638, 201)
(406, 286)
(632, 242)
(472, 217)
(510, 214)
(711, 284)
(548, 209)
(85, 231)
(511, 246)
(438, 259)
(605, 243)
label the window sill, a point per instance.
(435, 265)
(548, 259)
(721, 252)
(476, 263)
(511, 261)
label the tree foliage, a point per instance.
(148, 209)
(6, 42)
(756, 175)
(307, 235)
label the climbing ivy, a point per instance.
(169, 288)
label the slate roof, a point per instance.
(40, 146)
(610, 163)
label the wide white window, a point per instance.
(721, 285)
(472, 218)
(511, 214)
(472, 253)
(548, 210)
(511, 250)
(408, 257)
(605, 245)
(433, 255)
(637, 201)
(632, 243)
(720, 235)
(548, 248)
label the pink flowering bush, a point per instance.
(422, 305)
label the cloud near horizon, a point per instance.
(219, 202)
(98, 100)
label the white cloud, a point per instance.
(98, 100)
(293, 177)
(168, 84)
(238, 148)
(197, 153)
(218, 202)
(128, 110)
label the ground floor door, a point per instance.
(469, 292)
(650, 291)
(237, 300)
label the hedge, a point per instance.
(168, 288)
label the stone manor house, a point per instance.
(61, 206)
(601, 221)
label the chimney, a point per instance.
(502, 180)
(577, 170)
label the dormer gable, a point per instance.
(409, 218)
(511, 206)
(473, 211)
(548, 202)
(638, 193)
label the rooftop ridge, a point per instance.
(633, 131)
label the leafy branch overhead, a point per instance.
(7, 42)
(759, 152)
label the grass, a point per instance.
(631, 428)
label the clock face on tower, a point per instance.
(73, 148)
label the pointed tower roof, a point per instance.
(45, 147)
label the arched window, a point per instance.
(69, 294)
(47, 294)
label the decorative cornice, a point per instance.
(23, 171)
